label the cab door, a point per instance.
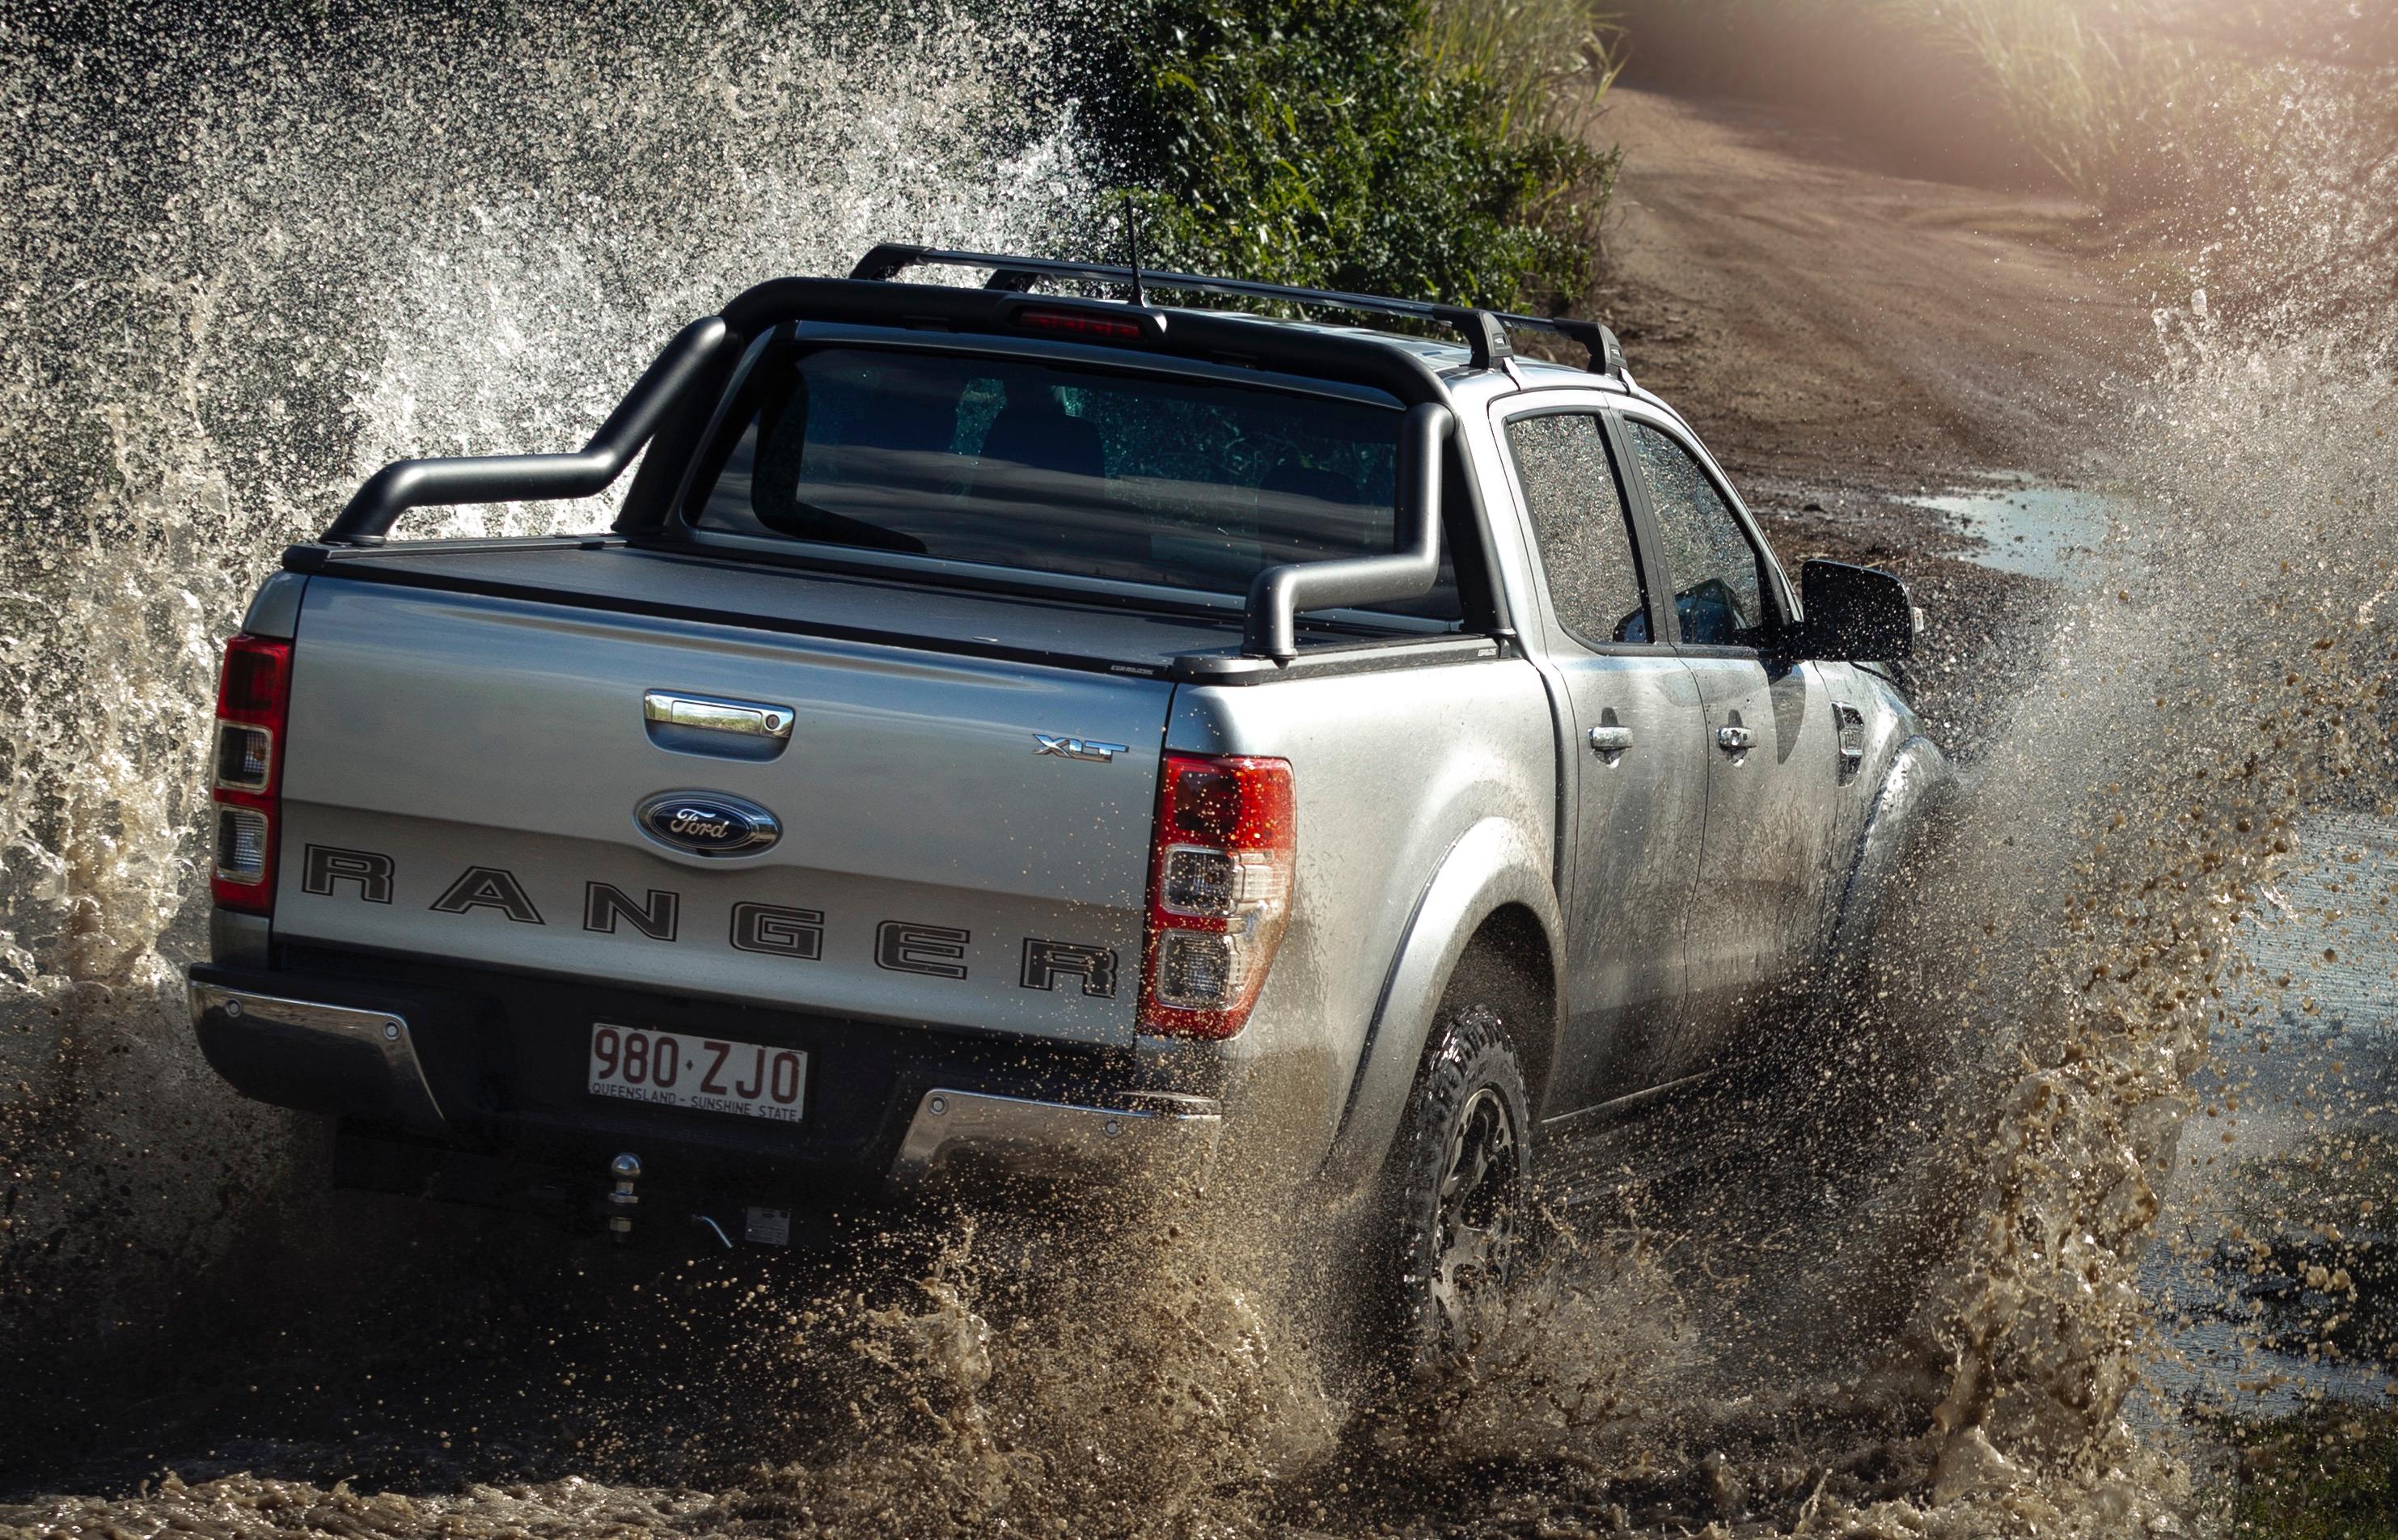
(1770, 743)
(1631, 758)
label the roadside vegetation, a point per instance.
(2315, 1263)
(1451, 150)
(2199, 115)
(2330, 1474)
(1433, 149)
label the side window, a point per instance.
(1719, 581)
(1578, 518)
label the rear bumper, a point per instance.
(491, 1066)
(1011, 1131)
(314, 1055)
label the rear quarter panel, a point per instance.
(1390, 771)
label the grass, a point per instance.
(2329, 1474)
(1551, 60)
(2124, 99)
(2091, 91)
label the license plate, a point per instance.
(708, 1075)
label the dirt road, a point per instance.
(1834, 328)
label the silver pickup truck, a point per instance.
(1006, 727)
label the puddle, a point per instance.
(2025, 526)
(2288, 1165)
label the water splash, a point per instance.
(322, 246)
(2220, 681)
(246, 261)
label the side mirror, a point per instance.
(1855, 613)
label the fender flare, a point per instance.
(1492, 865)
(1915, 786)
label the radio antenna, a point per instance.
(1132, 239)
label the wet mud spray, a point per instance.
(2110, 1106)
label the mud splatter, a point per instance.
(1900, 1294)
(248, 256)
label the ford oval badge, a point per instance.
(707, 823)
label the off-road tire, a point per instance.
(1455, 1193)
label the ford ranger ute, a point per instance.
(1014, 727)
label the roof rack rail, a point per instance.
(1485, 331)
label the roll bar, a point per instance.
(1278, 594)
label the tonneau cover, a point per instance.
(1049, 629)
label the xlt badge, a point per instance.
(707, 823)
(1076, 749)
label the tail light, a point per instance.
(253, 697)
(1219, 880)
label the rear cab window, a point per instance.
(1723, 595)
(1052, 467)
(1580, 526)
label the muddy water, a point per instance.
(2024, 525)
(245, 264)
(1961, 1273)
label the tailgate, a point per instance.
(462, 775)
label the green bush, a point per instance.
(1328, 143)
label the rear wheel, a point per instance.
(1455, 1191)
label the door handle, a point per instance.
(1609, 740)
(1735, 739)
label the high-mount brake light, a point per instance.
(1219, 882)
(254, 698)
(1081, 324)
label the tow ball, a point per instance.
(626, 1169)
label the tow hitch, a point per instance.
(626, 1169)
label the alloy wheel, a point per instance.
(1473, 1233)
